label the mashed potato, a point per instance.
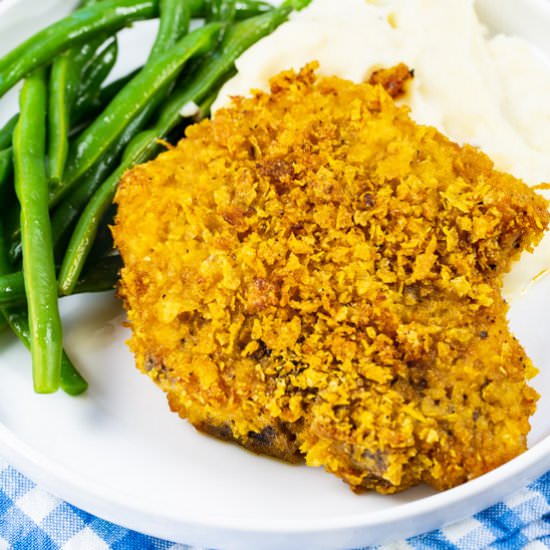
(491, 92)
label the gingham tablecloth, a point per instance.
(33, 519)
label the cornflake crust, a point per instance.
(316, 277)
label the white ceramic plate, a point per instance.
(119, 453)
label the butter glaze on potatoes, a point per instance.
(317, 277)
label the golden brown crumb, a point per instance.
(314, 275)
(394, 80)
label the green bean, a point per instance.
(71, 381)
(67, 86)
(58, 112)
(224, 11)
(6, 132)
(100, 275)
(65, 83)
(6, 165)
(4, 268)
(90, 107)
(84, 54)
(85, 57)
(31, 186)
(175, 17)
(99, 66)
(245, 9)
(11, 220)
(174, 22)
(69, 209)
(12, 288)
(66, 213)
(108, 93)
(62, 94)
(5, 265)
(17, 318)
(97, 71)
(221, 10)
(107, 16)
(239, 38)
(130, 101)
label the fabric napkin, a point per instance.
(33, 519)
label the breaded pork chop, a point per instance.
(316, 277)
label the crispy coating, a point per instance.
(317, 277)
(394, 80)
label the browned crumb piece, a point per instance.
(312, 274)
(394, 80)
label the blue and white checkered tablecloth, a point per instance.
(32, 519)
